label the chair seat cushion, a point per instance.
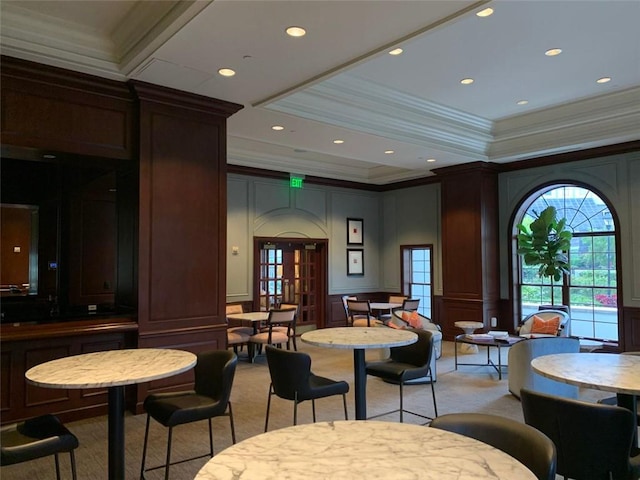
(36, 438)
(398, 371)
(362, 322)
(320, 387)
(234, 338)
(242, 330)
(263, 337)
(172, 409)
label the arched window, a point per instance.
(591, 289)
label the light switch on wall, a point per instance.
(494, 322)
(235, 250)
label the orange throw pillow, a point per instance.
(549, 327)
(412, 318)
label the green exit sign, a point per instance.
(295, 182)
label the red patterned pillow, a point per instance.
(549, 326)
(412, 318)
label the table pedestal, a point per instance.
(116, 432)
(468, 328)
(360, 383)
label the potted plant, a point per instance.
(545, 242)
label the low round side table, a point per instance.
(468, 327)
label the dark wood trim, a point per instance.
(19, 332)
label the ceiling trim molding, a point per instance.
(604, 120)
(364, 106)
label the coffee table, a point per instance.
(488, 342)
(112, 369)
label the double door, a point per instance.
(292, 271)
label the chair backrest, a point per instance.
(592, 440)
(234, 308)
(289, 371)
(282, 316)
(214, 372)
(411, 304)
(344, 304)
(359, 308)
(418, 353)
(563, 329)
(397, 298)
(529, 446)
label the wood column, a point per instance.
(470, 265)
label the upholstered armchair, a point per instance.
(543, 324)
(521, 375)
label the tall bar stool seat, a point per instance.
(37, 438)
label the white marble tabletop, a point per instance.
(111, 368)
(249, 316)
(359, 337)
(601, 371)
(362, 450)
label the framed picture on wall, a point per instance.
(354, 231)
(355, 261)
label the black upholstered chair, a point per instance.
(36, 438)
(526, 444)
(407, 363)
(292, 379)
(593, 441)
(214, 372)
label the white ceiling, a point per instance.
(339, 82)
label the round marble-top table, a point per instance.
(113, 369)
(601, 371)
(359, 339)
(362, 450)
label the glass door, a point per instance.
(292, 272)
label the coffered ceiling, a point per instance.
(339, 82)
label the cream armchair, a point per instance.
(527, 324)
(521, 375)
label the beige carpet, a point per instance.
(469, 389)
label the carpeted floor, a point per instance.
(469, 389)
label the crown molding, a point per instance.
(52, 41)
(364, 106)
(604, 120)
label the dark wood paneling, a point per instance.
(182, 229)
(470, 267)
(27, 345)
(631, 329)
(57, 110)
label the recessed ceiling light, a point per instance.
(553, 52)
(522, 102)
(338, 141)
(396, 51)
(389, 152)
(277, 127)
(48, 155)
(466, 81)
(603, 80)
(226, 72)
(296, 32)
(431, 160)
(485, 13)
